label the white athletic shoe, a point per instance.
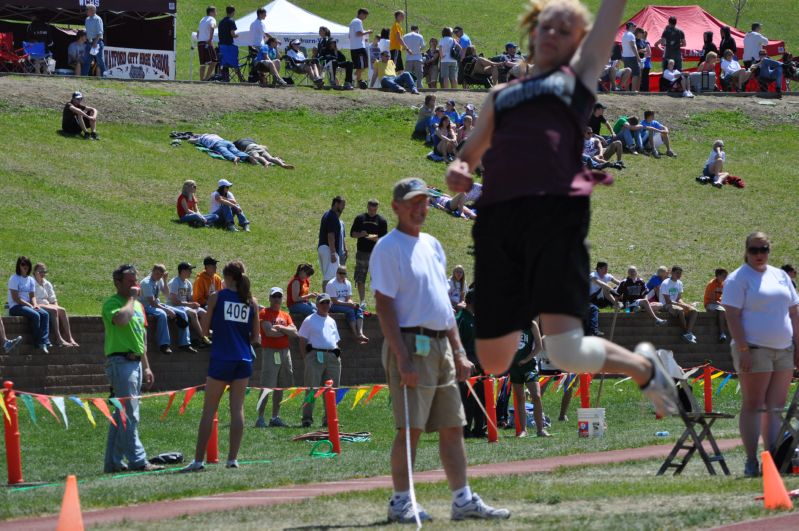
(661, 322)
(232, 463)
(194, 466)
(660, 389)
(401, 511)
(11, 344)
(689, 337)
(476, 509)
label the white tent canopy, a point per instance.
(285, 21)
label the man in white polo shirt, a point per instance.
(319, 340)
(409, 282)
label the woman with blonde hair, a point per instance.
(187, 207)
(457, 287)
(762, 310)
(538, 122)
(59, 320)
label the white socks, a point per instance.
(462, 495)
(398, 496)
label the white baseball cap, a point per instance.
(223, 182)
(275, 291)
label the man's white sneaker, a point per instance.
(11, 344)
(660, 389)
(194, 466)
(401, 511)
(232, 463)
(476, 509)
(689, 337)
(661, 322)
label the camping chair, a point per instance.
(692, 442)
(11, 60)
(229, 58)
(788, 439)
(36, 56)
(470, 78)
(294, 67)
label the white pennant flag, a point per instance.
(59, 403)
(261, 399)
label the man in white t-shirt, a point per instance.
(602, 292)
(360, 58)
(258, 34)
(409, 282)
(181, 296)
(151, 288)
(629, 56)
(415, 43)
(340, 291)
(671, 298)
(205, 44)
(319, 339)
(754, 41)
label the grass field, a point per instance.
(270, 459)
(490, 23)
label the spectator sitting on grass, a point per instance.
(187, 207)
(468, 110)
(601, 292)
(461, 199)
(151, 287)
(653, 129)
(768, 70)
(598, 157)
(181, 296)
(457, 287)
(631, 289)
(22, 303)
(219, 145)
(597, 120)
(78, 118)
(259, 154)
(386, 71)
(340, 291)
(206, 282)
(299, 291)
(450, 111)
(432, 125)
(713, 172)
(791, 270)
(678, 81)
(671, 298)
(465, 129)
(59, 320)
(712, 301)
(446, 140)
(426, 112)
(224, 205)
(629, 130)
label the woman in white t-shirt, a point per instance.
(732, 72)
(762, 310)
(713, 170)
(457, 287)
(22, 303)
(449, 65)
(45, 295)
(678, 82)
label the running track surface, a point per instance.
(164, 510)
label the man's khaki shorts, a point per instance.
(317, 373)
(275, 374)
(436, 401)
(765, 359)
(673, 310)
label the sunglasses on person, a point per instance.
(765, 249)
(276, 296)
(341, 273)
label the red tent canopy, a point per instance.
(694, 22)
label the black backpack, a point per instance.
(455, 51)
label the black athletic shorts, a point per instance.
(530, 258)
(396, 56)
(360, 59)
(521, 374)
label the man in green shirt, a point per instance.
(475, 418)
(126, 366)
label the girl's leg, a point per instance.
(754, 387)
(538, 408)
(776, 393)
(213, 393)
(237, 392)
(566, 400)
(66, 332)
(520, 411)
(54, 325)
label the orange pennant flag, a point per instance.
(375, 389)
(319, 392)
(168, 405)
(100, 404)
(45, 402)
(545, 380)
(187, 398)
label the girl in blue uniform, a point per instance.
(233, 316)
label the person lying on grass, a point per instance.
(219, 145)
(259, 154)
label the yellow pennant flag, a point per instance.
(3, 407)
(720, 373)
(89, 413)
(358, 397)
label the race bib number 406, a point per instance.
(236, 311)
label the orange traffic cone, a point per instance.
(70, 518)
(774, 494)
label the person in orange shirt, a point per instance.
(299, 291)
(713, 292)
(395, 41)
(207, 282)
(277, 371)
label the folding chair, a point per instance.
(36, 56)
(11, 59)
(692, 442)
(229, 58)
(788, 439)
(294, 67)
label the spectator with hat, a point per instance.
(206, 282)
(181, 296)
(319, 340)
(78, 118)
(304, 64)
(224, 205)
(277, 372)
(151, 288)
(509, 59)
(450, 111)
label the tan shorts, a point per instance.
(714, 307)
(431, 407)
(765, 359)
(316, 374)
(673, 310)
(276, 368)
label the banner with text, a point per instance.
(132, 63)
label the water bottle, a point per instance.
(795, 462)
(661, 434)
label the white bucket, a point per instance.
(591, 422)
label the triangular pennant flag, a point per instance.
(294, 392)
(716, 375)
(28, 401)
(4, 408)
(561, 381)
(375, 389)
(187, 398)
(572, 378)
(358, 396)
(319, 392)
(340, 394)
(85, 408)
(723, 383)
(545, 380)
(689, 373)
(59, 403)
(622, 380)
(310, 397)
(121, 408)
(45, 402)
(264, 394)
(168, 404)
(100, 404)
